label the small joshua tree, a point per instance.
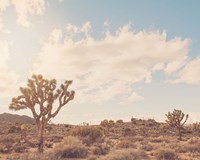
(39, 96)
(107, 124)
(24, 128)
(175, 119)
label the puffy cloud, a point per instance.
(1, 24)
(190, 73)
(8, 78)
(73, 29)
(107, 68)
(4, 4)
(24, 9)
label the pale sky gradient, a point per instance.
(126, 58)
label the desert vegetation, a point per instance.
(137, 139)
(40, 94)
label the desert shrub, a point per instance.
(151, 122)
(125, 154)
(14, 129)
(139, 138)
(32, 143)
(56, 138)
(49, 144)
(133, 120)
(192, 148)
(147, 147)
(101, 149)
(4, 149)
(7, 144)
(196, 126)
(107, 123)
(126, 144)
(88, 134)
(120, 121)
(71, 147)
(92, 157)
(33, 156)
(72, 152)
(159, 140)
(166, 155)
(128, 132)
(143, 131)
(19, 148)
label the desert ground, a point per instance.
(137, 139)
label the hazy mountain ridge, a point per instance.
(14, 118)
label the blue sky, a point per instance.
(127, 58)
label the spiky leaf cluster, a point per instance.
(175, 118)
(43, 93)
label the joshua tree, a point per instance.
(39, 96)
(24, 128)
(175, 119)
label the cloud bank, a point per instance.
(24, 9)
(190, 74)
(106, 69)
(8, 78)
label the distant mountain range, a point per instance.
(14, 118)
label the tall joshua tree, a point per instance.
(176, 119)
(39, 96)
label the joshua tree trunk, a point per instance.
(179, 133)
(41, 129)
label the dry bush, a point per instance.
(166, 155)
(55, 138)
(139, 138)
(125, 154)
(128, 132)
(14, 129)
(71, 147)
(92, 157)
(33, 156)
(143, 131)
(20, 148)
(147, 147)
(6, 143)
(100, 149)
(120, 121)
(159, 140)
(88, 134)
(192, 148)
(126, 144)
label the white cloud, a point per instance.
(4, 4)
(60, 1)
(73, 29)
(24, 9)
(1, 24)
(107, 69)
(8, 78)
(190, 73)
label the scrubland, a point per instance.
(135, 140)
